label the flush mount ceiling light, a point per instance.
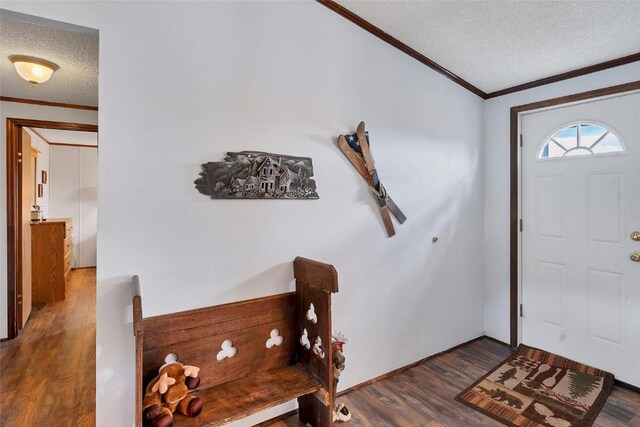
(33, 70)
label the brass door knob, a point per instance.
(635, 256)
(635, 235)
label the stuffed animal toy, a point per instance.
(168, 392)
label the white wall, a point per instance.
(24, 111)
(496, 183)
(180, 84)
(74, 194)
(42, 164)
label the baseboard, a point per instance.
(276, 419)
(404, 368)
(496, 340)
(385, 376)
(626, 385)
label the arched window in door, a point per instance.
(581, 139)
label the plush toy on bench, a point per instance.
(169, 391)
(253, 354)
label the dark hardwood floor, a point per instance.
(423, 395)
(47, 374)
(48, 377)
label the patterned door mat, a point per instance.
(535, 388)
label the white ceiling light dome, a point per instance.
(34, 70)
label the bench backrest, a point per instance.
(196, 338)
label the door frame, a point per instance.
(14, 231)
(515, 193)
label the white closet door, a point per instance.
(63, 196)
(74, 192)
(88, 182)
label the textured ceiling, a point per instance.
(498, 44)
(76, 53)
(68, 136)
(491, 44)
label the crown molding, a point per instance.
(567, 75)
(66, 144)
(369, 27)
(47, 103)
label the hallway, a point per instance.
(48, 372)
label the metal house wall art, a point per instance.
(258, 175)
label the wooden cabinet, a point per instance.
(51, 259)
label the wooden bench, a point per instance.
(256, 377)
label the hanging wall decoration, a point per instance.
(258, 175)
(356, 148)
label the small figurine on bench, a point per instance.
(169, 391)
(340, 411)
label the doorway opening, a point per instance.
(50, 128)
(51, 306)
(20, 191)
(515, 193)
(572, 204)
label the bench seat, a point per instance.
(282, 351)
(239, 398)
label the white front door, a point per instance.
(580, 202)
